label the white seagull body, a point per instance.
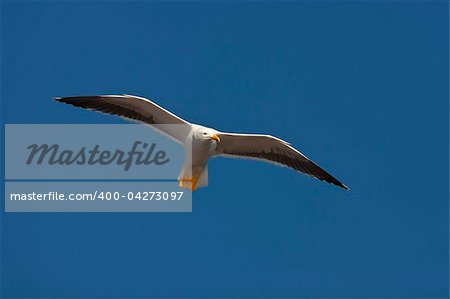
(204, 142)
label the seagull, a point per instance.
(203, 142)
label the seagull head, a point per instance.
(207, 134)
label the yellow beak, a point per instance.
(215, 137)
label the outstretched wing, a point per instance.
(271, 149)
(135, 108)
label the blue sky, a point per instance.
(360, 87)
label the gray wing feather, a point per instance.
(134, 108)
(271, 149)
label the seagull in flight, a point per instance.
(204, 142)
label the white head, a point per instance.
(206, 134)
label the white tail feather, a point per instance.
(193, 178)
(203, 178)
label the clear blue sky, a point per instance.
(360, 87)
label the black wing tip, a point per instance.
(344, 187)
(66, 100)
(90, 97)
(319, 173)
(337, 183)
(332, 180)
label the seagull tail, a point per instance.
(203, 178)
(193, 179)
